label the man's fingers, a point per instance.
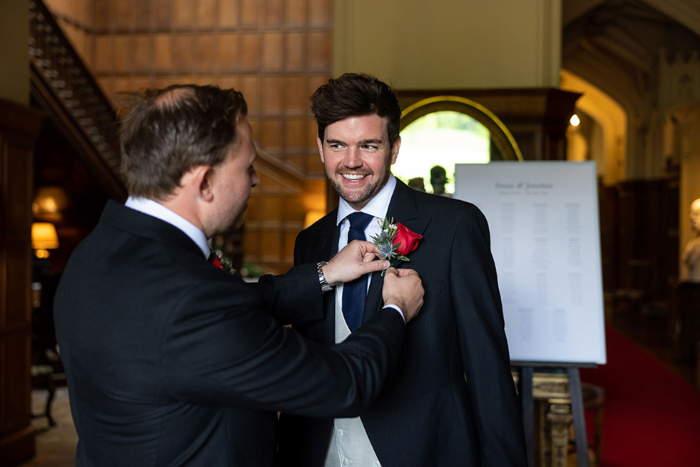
(391, 271)
(369, 257)
(406, 272)
(365, 246)
(374, 266)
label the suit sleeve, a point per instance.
(295, 297)
(222, 347)
(483, 344)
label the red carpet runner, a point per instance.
(652, 416)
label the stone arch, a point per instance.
(612, 118)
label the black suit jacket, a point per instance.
(171, 361)
(429, 414)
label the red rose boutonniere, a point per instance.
(395, 241)
(406, 240)
(223, 263)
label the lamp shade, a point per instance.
(44, 236)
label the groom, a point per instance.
(172, 361)
(452, 401)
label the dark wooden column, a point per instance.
(536, 117)
(19, 126)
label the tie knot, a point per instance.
(359, 220)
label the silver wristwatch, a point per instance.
(325, 286)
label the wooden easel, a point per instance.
(526, 371)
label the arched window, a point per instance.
(448, 130)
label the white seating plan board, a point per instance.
(545, 241)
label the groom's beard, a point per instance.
(354, 196)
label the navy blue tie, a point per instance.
(354, 292)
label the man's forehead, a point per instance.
(371, 126)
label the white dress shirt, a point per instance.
(152, 208)
(349, 443)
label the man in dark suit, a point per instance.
(172, 361)
(452, 401)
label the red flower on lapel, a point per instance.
(405, 239)
(395, 241)
(218, 260)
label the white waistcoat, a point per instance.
(349, 444)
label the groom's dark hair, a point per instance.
(356, 95)
(167, 132)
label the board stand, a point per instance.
(525, 379)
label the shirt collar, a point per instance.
(377, 206)
(154, 209)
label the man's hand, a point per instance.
(353, 261)
(403, 288)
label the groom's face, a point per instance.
(358, 157)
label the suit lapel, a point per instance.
(402, 208)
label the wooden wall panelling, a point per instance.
(273, 92)
(296, 97)
(183, 53)
(229, 13)
(277, 52)
(143, 53)
(272, 52)
(100, 11)
(251, 89)
(643, 263)
(608, 213)
(103, 55)
(272, 138)
(19, 126)
(162, 12)
(294, 135)
(184, 15)
(250, 13)
(251, 51)
(206, 52)
(122, 15)
(320, 13)
(295, 46)
(207, 12)
(228, 53)
(273, 14)
(229, 81)
(319, 50)
(143, 15)
(295, 13)
(122, 53)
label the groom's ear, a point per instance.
(395, 150)
(320, 149)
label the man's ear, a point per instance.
(395, 150)
(320, 149)
(198, 180)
